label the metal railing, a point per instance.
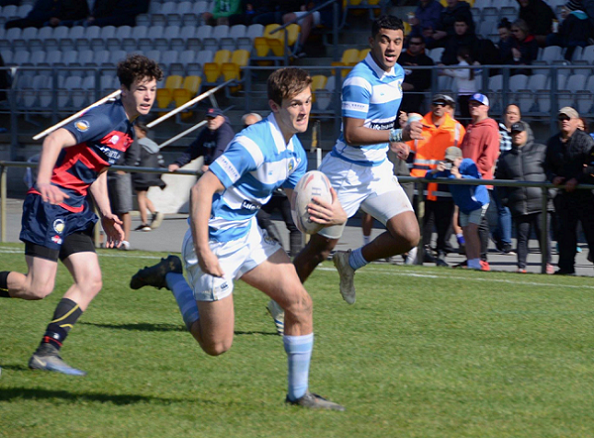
(419, 182)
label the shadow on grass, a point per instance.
(9, 394)
(15, 367)
(144, 327)
(141, 327)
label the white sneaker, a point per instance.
(157, 220)
(347, 275)
(278, 316)
(411, 257)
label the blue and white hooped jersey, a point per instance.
(256, 162)
(374, 95)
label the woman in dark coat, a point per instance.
(524, 162)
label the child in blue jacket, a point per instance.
(472, 201)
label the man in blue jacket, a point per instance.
(472, 201)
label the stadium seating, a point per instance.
(212, 70)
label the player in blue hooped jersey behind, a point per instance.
(224, 242)
(57, 220)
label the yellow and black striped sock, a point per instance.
(4, 284)
(65, 316)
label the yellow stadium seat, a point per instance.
(212, 70)
(276, 41)
(317, 82)
(350, 57)
(363, 54)
(293, 31)
(232, 69)
(261, 46)
(164, 97)
(192, 84)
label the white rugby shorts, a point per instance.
(374, 189)
(236, 258)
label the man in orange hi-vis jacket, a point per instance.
(440, 131)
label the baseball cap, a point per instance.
(213, 112)
(518, 127)
(444, 98)
(480, 98)
(452, 153)
(569, 112)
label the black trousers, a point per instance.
(571, 208)
(524, 226)
(282, 204)
(438, 213)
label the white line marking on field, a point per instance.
(495, 280)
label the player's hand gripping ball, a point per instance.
(313, 183)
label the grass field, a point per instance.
(425, 352)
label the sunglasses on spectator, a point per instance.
(563, 118)
(415, 43)
(440, 103)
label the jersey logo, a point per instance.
(82, 126)
(59, 226)
(115, 139)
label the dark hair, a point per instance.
(513, 104)
(462, 19)
(137, 67)
(286, 83)
(464, 53)
(140, 124)
(504, 23)
(386, 22)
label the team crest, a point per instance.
(82, 125)
(115, 139)
(59, 226)
(291, 166)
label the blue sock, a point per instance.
(298, 350)
(356, 260)
(184, 296)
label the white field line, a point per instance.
(395, 273)
(399, 273)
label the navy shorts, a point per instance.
(47, 225)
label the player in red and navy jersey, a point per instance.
(57, 220)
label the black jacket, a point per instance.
(568, 159)
(538, 15)
(449, 15)
(523, 164)
(209, 144)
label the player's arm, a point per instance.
(112, 225)
(50, 150)
(356, 134)
(200, 209)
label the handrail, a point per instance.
(544, 186)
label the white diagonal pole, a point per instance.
(188, 104)
(78, 114)
(182, 134)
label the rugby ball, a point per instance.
(313, 183)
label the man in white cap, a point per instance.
(568, 163)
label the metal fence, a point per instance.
(419, 184)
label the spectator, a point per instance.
(250, 118)
(464, 80)
(574, 30)
(524, 49)
(440, 131)
(323, 17)
(210, 143)
(506, 41)
(511, 115)
(472, 201)
(538, 17)
(481, 145)
(463, 36)
(221, 12)
(51, 13)
(113, 13)
(449, 15)
(149, 157)
(119, 185)
(415, 81)
(568, 163)
(426, 19)
(524, 162)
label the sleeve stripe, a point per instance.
(252, 148)
(357, 81)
